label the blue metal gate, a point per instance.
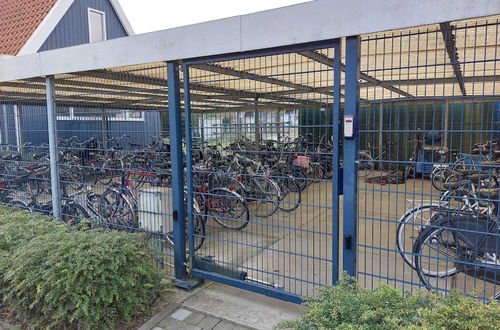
(262, 169)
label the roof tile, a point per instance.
(18, 21)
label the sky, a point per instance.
(154, 15)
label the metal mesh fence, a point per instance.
(428, 158)
(260, 151)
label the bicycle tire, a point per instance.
(117, 209)
(73, 213)
(263, 197)
(289, 187)
(401, 236)
(366, 164)
(229, 200)
(438, 178)
(198, 229)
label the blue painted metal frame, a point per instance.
(174, 113)
(336, 186)
(337, 172)
(351, 107)
(189, 161)
(270, 292)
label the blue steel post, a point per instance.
(351, 107)
(53, 155)
(174, 113)
(335, 159)
(189, 163)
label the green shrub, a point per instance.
(56, 277)
(348, 306)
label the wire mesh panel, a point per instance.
(24, 169)
(260, 180)
(113, 151)
(428, 158)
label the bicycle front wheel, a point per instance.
(228, 209)
(290, 195)
(263, 196)
(409, 227)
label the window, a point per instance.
(97, 25)
(75, 113)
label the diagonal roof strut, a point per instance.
(321, 58)
(451, 49)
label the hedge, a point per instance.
(54, 276)
(348, 306)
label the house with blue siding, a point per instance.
(32, 26)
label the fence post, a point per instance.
(178, 214)
(351, 107)
(54, 159)
(337, 58)
(18, 123)
(5, 130)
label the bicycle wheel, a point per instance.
(198, 229)
(116, 208)
(299, 177)
(73, 213)
(318, 172)
(460, 254)
(20, 204)
(365, 165)
(409, 227)
(438, 178)
(436, 253)
(290, 195)
(73, 175)
(263, 196)
(228, 209)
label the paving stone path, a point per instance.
(186, 319)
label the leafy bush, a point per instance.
(348, 306)
(56, 277)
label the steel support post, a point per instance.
(174, 114)
(336, 158)
(18, 122)
(105, 131)
(189, 283)
(257, 119)
(177, 157)
(351, 108)
(5, 129)
(53, 154)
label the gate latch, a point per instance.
(347, 242)
(174, 215)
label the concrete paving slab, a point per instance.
(242, 307)
(181, 314)
(194, 318)
(225, 325)
(209, 322)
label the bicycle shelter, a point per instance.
(273, 166)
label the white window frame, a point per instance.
(105, 33)
(126, 116)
